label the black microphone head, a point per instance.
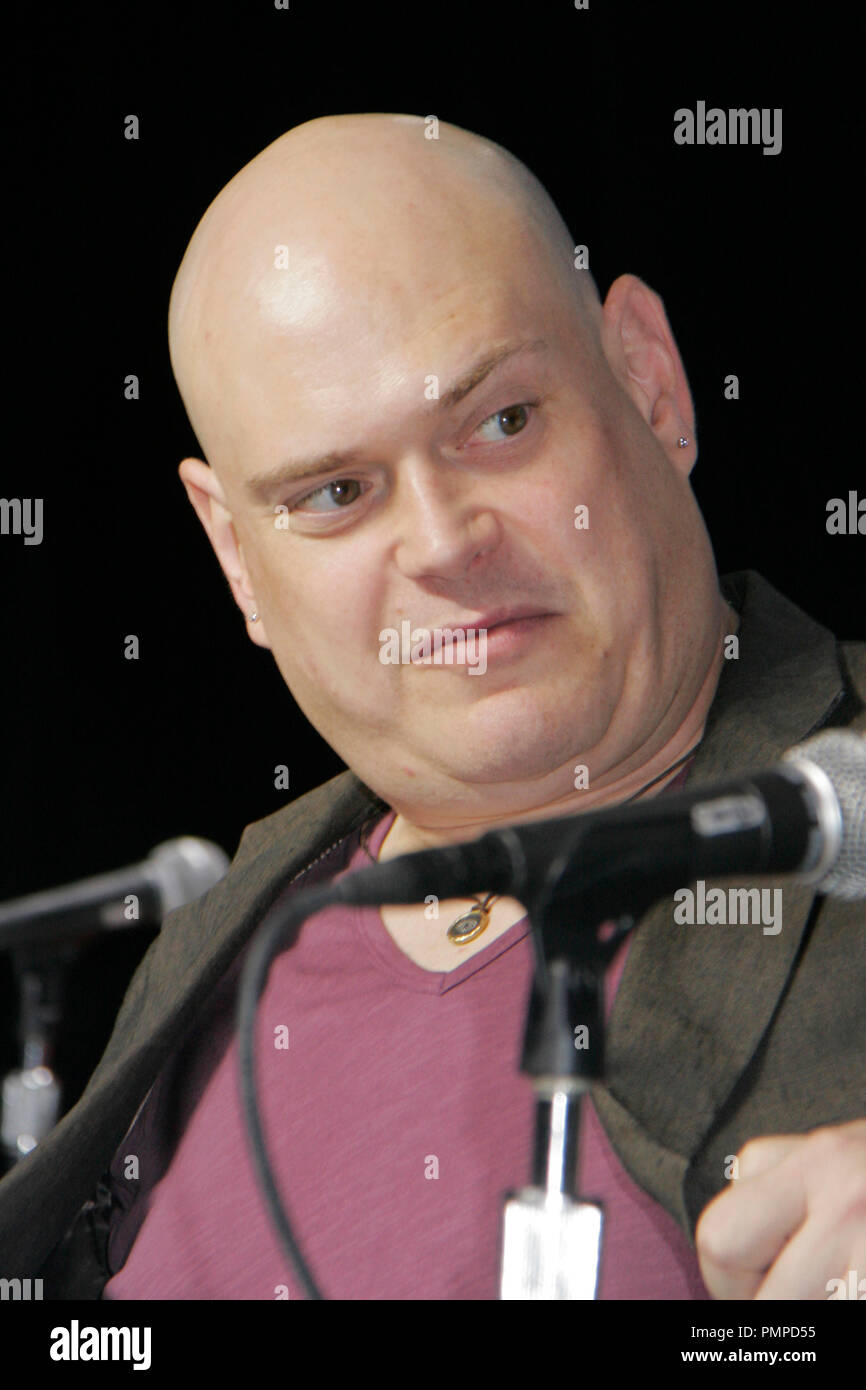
(834, 764)
(185, 868)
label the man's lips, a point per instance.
(498, 617)
(506, 631)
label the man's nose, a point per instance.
(443, 521)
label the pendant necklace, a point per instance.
(472, 923)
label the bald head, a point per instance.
(343, 222)
(408, 397)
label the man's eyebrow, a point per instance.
(265, 486)
(481, 369)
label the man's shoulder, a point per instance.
(272, 852)
(783, 645)
(337, 806)
(172, 984)
(765, 608)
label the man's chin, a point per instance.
(524, 751)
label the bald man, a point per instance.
(416, 414)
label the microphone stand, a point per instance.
(31, 1095)
(551, 1236)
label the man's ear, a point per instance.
(205, 492)
(643, 355)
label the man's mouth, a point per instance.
(499, 617)
(506, 632)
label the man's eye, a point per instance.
(511, 421)
(343, 491)
(340, 494)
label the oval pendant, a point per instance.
(466, 928)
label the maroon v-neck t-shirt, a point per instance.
(396, 1119)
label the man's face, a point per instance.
(453, 513)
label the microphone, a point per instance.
(805, 817)
(173, 874)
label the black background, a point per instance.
(756, 257)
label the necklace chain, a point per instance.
(470, 925)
